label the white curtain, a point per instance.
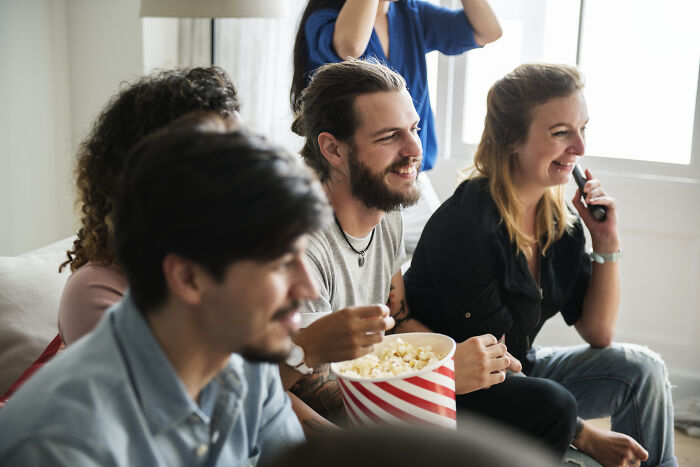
(257, 54)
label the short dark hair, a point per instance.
(328, 104)
(213, 198)
(140, 108)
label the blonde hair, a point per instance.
(510, 105)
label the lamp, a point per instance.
(214, 9)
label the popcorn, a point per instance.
(396, 358)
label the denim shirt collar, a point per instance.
(162, 395)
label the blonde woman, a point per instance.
(505, 253)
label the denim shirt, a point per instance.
(114, 399)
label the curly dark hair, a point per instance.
(139, 109)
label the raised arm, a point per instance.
(602, 300)
(354, 26)
(486, 27)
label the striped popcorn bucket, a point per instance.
(425, 397)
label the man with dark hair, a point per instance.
(210, 229)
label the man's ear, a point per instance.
(333, 150)
(184, 278)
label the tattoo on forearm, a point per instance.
(402, 315)
(390, 300)
(398, 311)
(321, 392)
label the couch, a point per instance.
(30, 290)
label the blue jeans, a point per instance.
(626, 382)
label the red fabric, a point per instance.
(51, 351)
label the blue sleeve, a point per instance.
(55, 451)
(318, 32)
(445, 30)
(279, 428)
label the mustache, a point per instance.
(403, 163)
(280, 314)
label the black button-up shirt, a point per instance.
(467, 278)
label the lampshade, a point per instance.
(214, 8)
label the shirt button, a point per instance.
(202, 449)
(215, 436)
(467, 315)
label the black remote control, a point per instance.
(598, 212)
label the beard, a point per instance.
(257, 353)
(372, 190)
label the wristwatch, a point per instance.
(606, 257)
(295, 359)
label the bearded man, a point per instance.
(361, 131)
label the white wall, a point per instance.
(60, 60)
(35, 206)
(104, 49)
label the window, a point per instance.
(533, 31)
(640, 59)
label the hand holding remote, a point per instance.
(597, 212)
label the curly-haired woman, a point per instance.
(147, 105)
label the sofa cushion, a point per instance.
(30, 291)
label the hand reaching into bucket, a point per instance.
(345, 334)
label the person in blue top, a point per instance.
(210, 228)
(399, 34)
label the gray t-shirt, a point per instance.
(342, 282)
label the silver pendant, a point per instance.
(361, 260)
